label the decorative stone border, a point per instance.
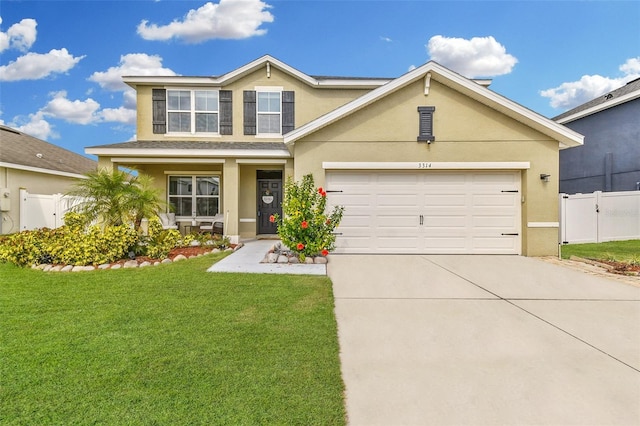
(279, 253)
(124, 265)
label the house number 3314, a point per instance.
(424, 165)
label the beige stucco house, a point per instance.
(429, 162)
(31, 164)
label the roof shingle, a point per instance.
(22, 149)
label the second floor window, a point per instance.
(192, 111)
(269, 112)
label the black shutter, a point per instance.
(249, 99)
(159, 101)
(226, 112)
(288, 112)
(426, 124)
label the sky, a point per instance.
(61, 62)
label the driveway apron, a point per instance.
(484, 340)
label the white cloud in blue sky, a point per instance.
(77, 111)
(139, 64)
(229, 19)
(477, 57)
(588, 87)
(19, 36)
(35, 66)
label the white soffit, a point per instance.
(201, 154)
(41, 170)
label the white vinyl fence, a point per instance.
(42, 211)
(599, 217)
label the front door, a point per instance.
(269, 203)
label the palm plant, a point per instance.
(115, 197)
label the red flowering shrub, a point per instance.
(307, 227)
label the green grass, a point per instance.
(167, 345)
(620, 251)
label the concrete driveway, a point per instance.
(485, 340)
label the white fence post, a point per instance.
(24, 195)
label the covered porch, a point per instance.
(213, 187)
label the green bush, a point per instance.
(159, 245)
(68, 245)
(306, 228)
(26, 247)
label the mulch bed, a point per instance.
(185, 251)
(621, 267)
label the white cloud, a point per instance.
(34, 66)
(37, 126)
(387, 39)
(571, 94)
(478, 57)
(631, 67)
(139, 64)
(119, 115)
(19, 36)
(229, 19)
(78, 112)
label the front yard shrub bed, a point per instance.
(72, 244)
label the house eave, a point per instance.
(189, 153)
(41, 170)
(225, 79)
(601, 107)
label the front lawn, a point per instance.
(167, 345)
(618, 251)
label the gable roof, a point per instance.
(21, 151)
(266, 61)
(565, 136)
(626, 93)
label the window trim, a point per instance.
(268, 89)
(194, 196)
(193, 111)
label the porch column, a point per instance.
(288, 171)
(230, 189)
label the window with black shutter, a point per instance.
(426, 124)
(268, 113)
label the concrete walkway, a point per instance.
(485, 340)
(247, 260)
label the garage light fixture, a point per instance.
(544, 177)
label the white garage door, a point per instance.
(431, 212)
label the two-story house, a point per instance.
(429, 162)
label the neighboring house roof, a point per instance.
(178, 150)
(266, 60)
(565, 136)
(21, 151)
(626, 93)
